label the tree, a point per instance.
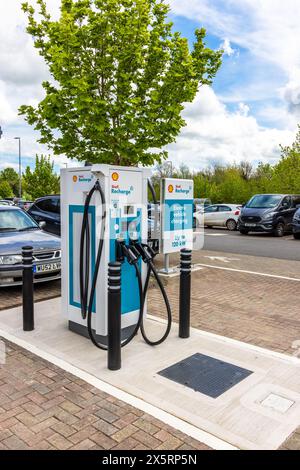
(42, 180)
(12, 178)
(5, 190)
(120, 78)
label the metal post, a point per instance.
(185, 293)
(20, 167)
(114, 316)
(28, 304)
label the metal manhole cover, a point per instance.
(206, 374)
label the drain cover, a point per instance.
(277, 403)
(206, 374)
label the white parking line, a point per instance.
(275, 276)
(216, 234)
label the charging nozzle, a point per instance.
(126, 252)
(145, 251)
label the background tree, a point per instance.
(120, 78)
(5, 190)
(12, 178)
(42, 180)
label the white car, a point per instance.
(218, 215)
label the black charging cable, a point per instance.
(87, 301)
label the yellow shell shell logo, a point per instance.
(170, 188)
(115, 176)
(75, 178)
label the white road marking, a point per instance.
(224, 259)
(275, 276)
(215, 234)
(177, 423)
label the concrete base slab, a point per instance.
(239, 416)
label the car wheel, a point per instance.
(297, 236)
(243, 231)
(231, 225)
(279, 230)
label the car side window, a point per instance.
(224, 209)
(296, 201)
(286, 202)
(211, 209)
(48, 205)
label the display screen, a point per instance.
(129, 210)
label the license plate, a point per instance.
(44, 268)
(250, 225)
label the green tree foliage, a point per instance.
(12, 178)
(238, 183)
(42, 180)
(121, 76)
(5, 190)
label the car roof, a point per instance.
(9, 208)
(47, 197)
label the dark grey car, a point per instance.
(18, 229)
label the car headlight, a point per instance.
(269, 216)
(10, 259)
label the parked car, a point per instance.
(270, 213)
(18, 229)
(25, 205)
(47, 209)
(218, 215)
(296, 225)
(6, 202)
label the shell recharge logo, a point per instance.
(115, 188)
(75, 179)
(180, 190)
(170, 188)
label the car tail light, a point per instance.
(237, 213)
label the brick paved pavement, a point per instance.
(44, 407)
(258, 310)
(12, 296)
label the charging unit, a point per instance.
(124, 216)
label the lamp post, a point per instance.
(20, 168)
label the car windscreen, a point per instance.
(264, 201)
(15, 220)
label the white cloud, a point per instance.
(223, 136)
(268, 29)
(226, 46)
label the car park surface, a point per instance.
(256, 244)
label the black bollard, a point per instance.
(114, 316)
(28, 303)
(185, 293)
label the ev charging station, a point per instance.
(105, 248)
(119, 219)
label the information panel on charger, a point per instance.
(177, 199)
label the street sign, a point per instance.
(177, 198)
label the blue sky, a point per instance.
(253, 106)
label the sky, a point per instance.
(252, 107)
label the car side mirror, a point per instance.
(42, 224)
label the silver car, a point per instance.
(218, 215)
(18, 229)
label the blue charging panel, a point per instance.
(120, 227)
